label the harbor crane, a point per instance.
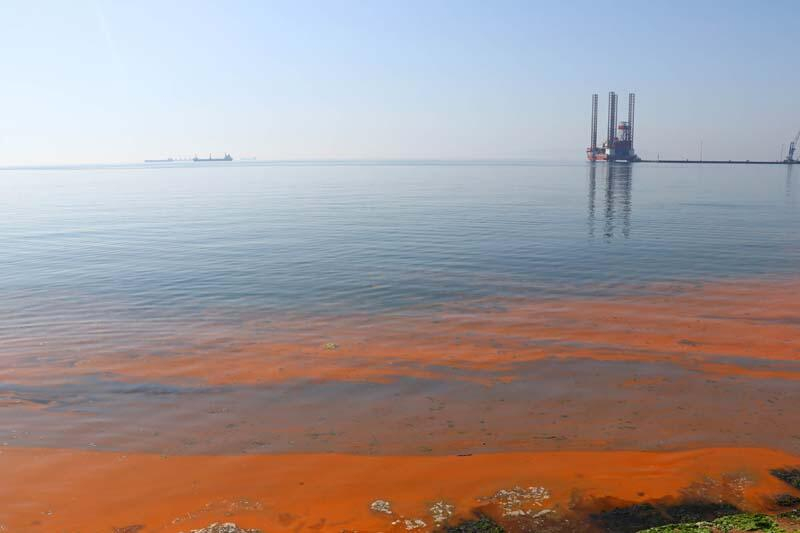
(792, 145)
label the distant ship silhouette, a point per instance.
(226, 158)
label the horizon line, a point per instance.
(293, 161)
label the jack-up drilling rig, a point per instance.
(619, 143)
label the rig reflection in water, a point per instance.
(617, 208)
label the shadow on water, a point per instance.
(617, 208)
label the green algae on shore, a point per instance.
(735, 524)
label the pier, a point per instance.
(719, 161)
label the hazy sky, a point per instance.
(125, 81)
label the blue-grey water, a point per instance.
(187, 239)
(116, 250)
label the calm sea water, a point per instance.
(189, 242)
(169, 260)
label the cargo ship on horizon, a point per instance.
(202, 160)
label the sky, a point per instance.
(106, 82)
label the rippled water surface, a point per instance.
(156, 292)
(181, 241)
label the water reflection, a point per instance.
(790, 187)
(592, 193)
(617, 208)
